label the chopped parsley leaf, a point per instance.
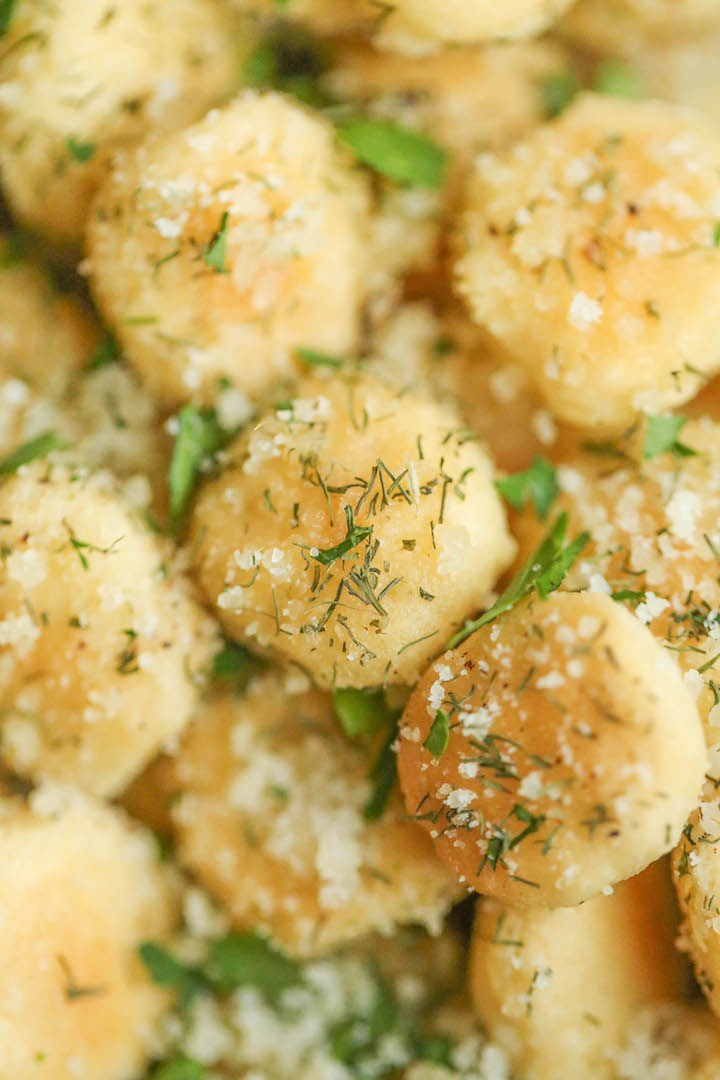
(617, 80)
(543, 573)
(180, 1068)
(558, 90)
(384, 777)
(399, 153)
(107, 352)
(165, 970)
(250, 960)
(79, 151)
(13, 249)
(199, 437)
(31, 450)
(605, 449)
(629, 596)
(443, 346)
(662, 437)
(716, 234)
(538, 484)
(439, 735)
(291, 60)
(236, 666)
(361, 712)
(216, 251)
(435, 1048)
(356, 1038)
(7, 11)
(312, 358)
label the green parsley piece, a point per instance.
(250, 960)
(543, 573)
(180, 1068)
(605, 448)
(683, 863)
(355, 1039)
(31, 450)
(365, 712)
(291, 60)
(662, 437)
(7, 11)
(629, 596)
(405, 156)
(107, 352)
(617, 80)
(312, 359)
(435, 1048)
(558, 91)
(361, 712)
(716, 234)
(216, 251)
(384, 777)
(13, 250)
(235, 665)
(439, 735)
(355, 535)
(538, 485)
(165, 970)
(443, 346)
(199, 437)
(81, 152)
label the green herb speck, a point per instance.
(80, 152)
(31, 450)
(439, 735)
(216, 252)
(405, 156)
(538, 485)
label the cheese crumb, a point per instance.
(583, 312)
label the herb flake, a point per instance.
(405, 156)
(439, 735)
(7, 11)
(235, 666)
(384, 778)
(31, 450)
(543, 573)
(312, 358)
(662, 437)
(361, 712)
(180, 1068)
(537, 485)
(199, 437)
(558, 90)
(355, 535)
(250, 960)
(165, 970)
(617, 80)
(216, 252)
(107, 352)
(80, 152)
(291, 60)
